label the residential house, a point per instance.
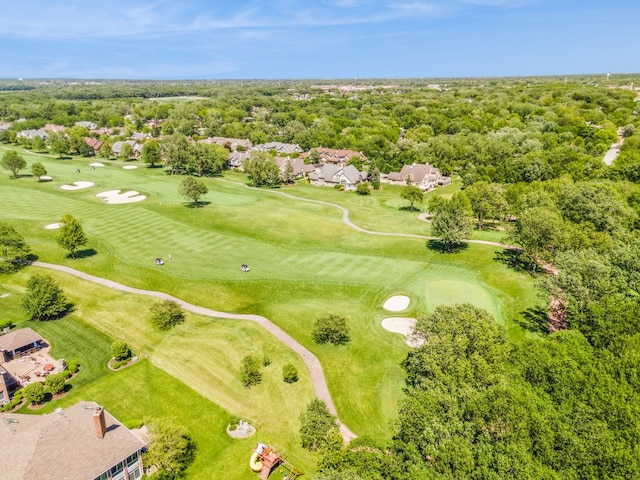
(117, 146)
(18, 342)
(231, 144)
(94, 143)
(297, 165)
(89, 125)
(236, 159)
(140, 136)
(50, 127)
(337, 157)
(31, 134)
(279, 147)
(82, 442)
(330, 175)
(421, 175)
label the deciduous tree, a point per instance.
(171, 448)
(166, 314)
(151, 154)
(38, 170)
(71, 235)
(412, 194)
(452, 222)
(318, 426)
(331, 329)
(192, 188)
(13, 161)
(44, 299)
(14, 252)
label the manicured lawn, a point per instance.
(304, 263)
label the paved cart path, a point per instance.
(311, 361)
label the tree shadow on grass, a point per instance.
(534, 320)
(198, 205)
(409, 208)
(86, 253)
(513, 259)
(441, 247)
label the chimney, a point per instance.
(99, 421)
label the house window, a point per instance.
(104, 476)
(116, 469)
(132, 459)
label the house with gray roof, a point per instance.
(421, 175)
(330, 175)
(82, 442)
(279, 147)
(89, 125)
(117, 146)
(31, 134)
(230, 143)
(236, 159)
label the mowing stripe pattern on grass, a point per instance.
(311, 361)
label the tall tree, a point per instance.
(126, 151)
(38, 170)
(318, 427)
(487, 200)
(151, 153)
(452, 222)
(412, 194)
(71, 235)
(539, 232)
(208, 159)
(192, 188)
(262, 170)
(44, 299)
(14, 252)
(13, 162)
(170, 447)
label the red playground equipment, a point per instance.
(265, 459)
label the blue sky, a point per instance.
(316, 39)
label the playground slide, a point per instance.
(254, 463)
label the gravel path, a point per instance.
(311, 361)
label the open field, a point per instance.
(305, 262)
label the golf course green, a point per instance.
(305, 262)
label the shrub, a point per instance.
(73, 366)
(250, 372)
(55, 383)
(6, 324)
(166, 314)
(289, 373)
(34, 393)
(266, 361)
(339, 187)
(120, 350)
(363, 188)
(331, 329)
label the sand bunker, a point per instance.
(115, 197)
(403, 326)
(96, 164)
(53, 226)
(397, 303)
(46, 178)
(77, 186)
(130, 167)
(5, 295)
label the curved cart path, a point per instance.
(349, 223)
(311, 361)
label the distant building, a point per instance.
(231, 144)
(89, 125)
(331, 175)
(279, 147)
(82, 442)
(421, 175)
(337, 157)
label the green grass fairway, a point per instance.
(450, 292)
(305, 262)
